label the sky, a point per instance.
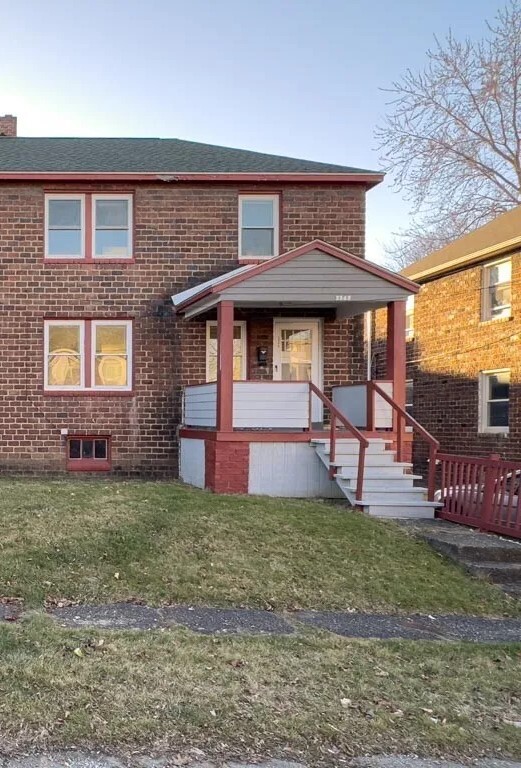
(303, 78)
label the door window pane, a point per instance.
(296, 354)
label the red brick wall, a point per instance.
(451, 347)
(227, 466)
(183, 235)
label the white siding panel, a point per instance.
(191, 462)
(351, 401)
(200, 406)
(270, 404)
(289, 470)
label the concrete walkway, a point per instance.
(246, 621)
(77, 759)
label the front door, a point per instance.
(297, 356)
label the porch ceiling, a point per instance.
(317, 275)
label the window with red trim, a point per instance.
(88, 453)
(88, 227)
(88, 355)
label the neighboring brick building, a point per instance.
(95, 236)
(464, 342)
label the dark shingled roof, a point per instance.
(147, 156)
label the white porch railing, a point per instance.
(256, 405)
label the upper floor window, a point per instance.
(409, 318)
(239, 350)
(82, 355)
(497, 290)
(494, 400)
(88, 227)
(258, 226)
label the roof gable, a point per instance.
(260, 279)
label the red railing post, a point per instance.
(431, 481)
(332, 446)
(489, 489)
(370, 406)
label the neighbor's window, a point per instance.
(494, 397)
(239, 351)
(409, 318)
(88, 453)
(409, 399)
(88, 227)
(86, 355)
(258, 226)
(497, 290)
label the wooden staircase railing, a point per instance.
(337, 416)
(403, 416)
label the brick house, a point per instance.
(463, 337)
(168, 305)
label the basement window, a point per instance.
(88, 453)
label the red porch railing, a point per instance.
(481, 492)
(403, 417)
(335, 417)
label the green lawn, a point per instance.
(96, 541)
(314, 696)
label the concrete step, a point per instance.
(413, 510)
(385, 459)
(354, 448)
(464, 544)
(501, 573)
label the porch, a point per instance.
(241, 432)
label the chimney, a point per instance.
(7, 125)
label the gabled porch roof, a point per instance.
(316, 274)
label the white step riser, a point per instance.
(353, 450)
(392, 473)
(393, 497)
(401, 483)
(371, 460)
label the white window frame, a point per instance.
(59, 387)
(129, 200)
(275, 199)
(484, 400)
(82, 387)
(61, 257)
(98, 387)
(244, 345)
(486, 309)
(409, 313)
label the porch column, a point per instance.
(396, 354)
(225, 367)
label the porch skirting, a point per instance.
(280, 468)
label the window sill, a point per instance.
(88, 393)
(496, 320)
(82, 261)
(255, 259)
(491, 432)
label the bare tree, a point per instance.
(452, 137)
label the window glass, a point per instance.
(111, 356)
(497, 395)
(74, 449)
(112, 228)
(100, 449)
(259, 218)
(87, 449)
(238, 352)
(64, 235)
(63, 356)
(257, 213)
(498, 290)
